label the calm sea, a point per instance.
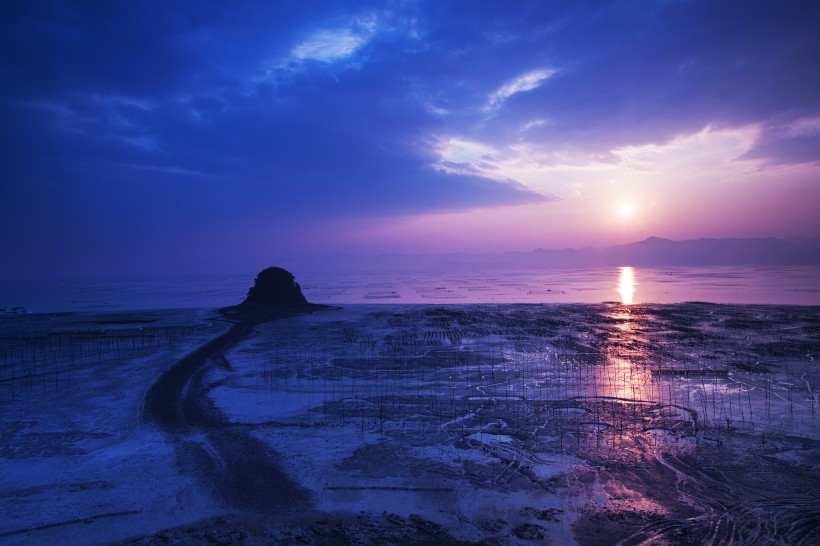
(738, 285)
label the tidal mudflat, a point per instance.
(496, 424)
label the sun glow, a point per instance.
(625, 210)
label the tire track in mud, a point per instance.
(230, 465)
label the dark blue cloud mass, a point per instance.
(167, 135)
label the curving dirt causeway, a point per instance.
(231, 465)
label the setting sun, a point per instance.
(625, 210)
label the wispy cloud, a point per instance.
(330, 45)
(333, 44)
(339, 42)
(808, 126)
(171, 169)
(532, 124)
(117, 101)
(525, 82)
(144, 142)
(708, 151)
(677, 165)
(460, 156)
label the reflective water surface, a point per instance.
(773, 285)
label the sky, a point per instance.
(211, 136)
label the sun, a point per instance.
(625, 210)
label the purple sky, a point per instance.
(205, 136)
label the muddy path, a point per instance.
(232, 466)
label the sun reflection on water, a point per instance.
(625, 376)
(626, 285)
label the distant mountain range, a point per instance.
(653, 251)
(656, 251)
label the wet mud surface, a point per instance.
(477, 424)
(598, 424)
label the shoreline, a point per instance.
(658, 285)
